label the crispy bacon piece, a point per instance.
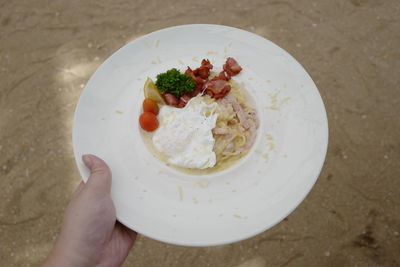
(201, 73)
(181, 104)
(199, 82)
(223, 76)
(197, 89)
(195, 78)
(186, 97)
(171, 99)
(232, 67)
(204, 70)
(217, 88)
(184, 100)
(223, 93)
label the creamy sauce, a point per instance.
(147, 138)
(219, 165)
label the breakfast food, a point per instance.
(198, 120)
(185, 135)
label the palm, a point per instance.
(118, 247)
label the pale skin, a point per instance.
(90, 233)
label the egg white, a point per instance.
(185, 134)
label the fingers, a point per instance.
(130, 233)
(78, 189)
(100, 174)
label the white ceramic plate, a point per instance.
(232, 205)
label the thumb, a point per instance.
(100, 174)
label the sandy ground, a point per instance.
(49, 49)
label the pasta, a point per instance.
(233, 137)
(205, 130)
(236, 127)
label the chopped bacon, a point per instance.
(201, 73)
(197, 89)
(199, 82)
(204, 70)
(205, 63)
(192, 75)
(223, 93)
(177, 102)
(171, 99)
(232, 67)
(217, 88)
(181, 104)
(184, 100)
(223, 76)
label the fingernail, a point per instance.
(87, 159)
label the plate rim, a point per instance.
(299, 200)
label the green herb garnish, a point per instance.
(175, 83)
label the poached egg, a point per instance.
(184, 135)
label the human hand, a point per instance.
(90, 234)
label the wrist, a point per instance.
(61, 256)
(56, 259)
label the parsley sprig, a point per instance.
(174, 82)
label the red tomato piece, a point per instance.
(148, 121)
(149, 105)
